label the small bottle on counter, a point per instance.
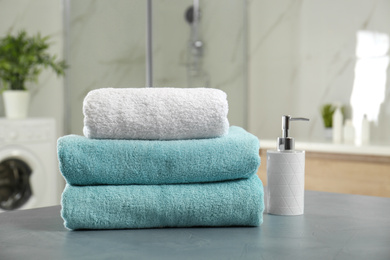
(365, 131)
(337, 121)
(349, 132)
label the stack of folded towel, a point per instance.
(159, 157)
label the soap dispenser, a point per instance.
(286, 174)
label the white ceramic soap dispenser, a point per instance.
(285, 175)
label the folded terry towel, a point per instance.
(155, 113)
(230, 203)
(85, 161)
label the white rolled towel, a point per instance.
(155, 113)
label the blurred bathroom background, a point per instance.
(271, 57)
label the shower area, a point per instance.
(164, 43)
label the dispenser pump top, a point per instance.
(286, 143)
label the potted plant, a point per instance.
(22, 59)
(327, 111)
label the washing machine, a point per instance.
(29, 175)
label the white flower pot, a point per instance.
(16, 103)
(328, 133)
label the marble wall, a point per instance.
(44, 16)
(107, 42)
(106, 48)
(302, 54)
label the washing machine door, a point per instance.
(15, 189)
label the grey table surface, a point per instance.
(334, 226)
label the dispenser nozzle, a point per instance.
(286, 123)
(285, 142)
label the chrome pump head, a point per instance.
(286, 143)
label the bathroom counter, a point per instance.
(341, 168)
(329, 147)
(335, 226)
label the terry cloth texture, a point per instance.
(85, 161)
(230, 203)
(155, 113)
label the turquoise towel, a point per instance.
(86, 161)
(229, 203)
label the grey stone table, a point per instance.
(334, 226)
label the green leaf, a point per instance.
(23, 58)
